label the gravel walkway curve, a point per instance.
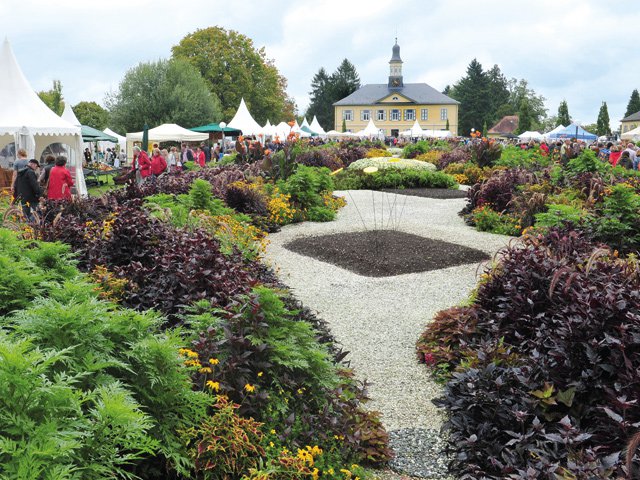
(378, 320)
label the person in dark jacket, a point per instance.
(27, 188)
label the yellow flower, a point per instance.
(260, 374)
(314, 474)
(346, 472)
(331, 471)
(250, 388)
(299, 391)
(214, 361)
(271, 444)
(273, 431)
(215, 386)
(205, 370)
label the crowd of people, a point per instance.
(33, 182)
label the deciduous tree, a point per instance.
(235, 69)
(53, 98)
(91, 114)
(166, 91)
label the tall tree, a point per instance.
(91, 114)
(321, 100)
(525, 116)
(235, 69)
(166, 91)
(518, 91)
(634, 103)
(498, 94)
(472, 91)
(603, 124)
(344, 81)
(563, 114)
(53, 98)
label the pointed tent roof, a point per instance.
(69, 115)
(305, 123)
(243, 120)
(574, 131)
(21, 106)
(315, 126)
(371, 129)
(121, 140)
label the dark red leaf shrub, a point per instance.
(320, 157)
(457, 155)
(553, 339)
(167, 268)
(498, 190)
(245, 199)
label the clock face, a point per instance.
(395, 82)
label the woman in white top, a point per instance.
(173, 160)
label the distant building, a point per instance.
(505, 128)
(629, 123)
(395, 106)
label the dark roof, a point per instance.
(420, 93)
(630, 118)
(508, 124)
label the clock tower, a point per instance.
(395, 68)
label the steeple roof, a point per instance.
(396, 53)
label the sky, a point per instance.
(581, 51)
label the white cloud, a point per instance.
(573, 50)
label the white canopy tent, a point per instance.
(243, 120)
(316, 127)
(369, 131)
(414, 131)
(122, 141)
(436, 133)
(282, 130)
(28, 123)
(530, 135)
(305, 124)
(559, 128)
(633, 135)
(269, 130)
(167, 132)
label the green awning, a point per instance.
(215, 127)
(90, 134)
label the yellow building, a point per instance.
(395, 106)
(630, 122)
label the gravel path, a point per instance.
(378, 320)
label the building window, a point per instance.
(395, 115)
(381, 115)
(424, 114)
(394, 98)
(410, 114)
(365, 115)
(347, 115)
(443, 114)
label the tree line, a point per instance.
(211, 69)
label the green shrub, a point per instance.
(558, 215)
(306, 186)
(587, 161)
(488, 220)
(618, 220)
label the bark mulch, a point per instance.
(439, 193)
(385, 253)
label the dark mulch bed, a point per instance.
(384, 253)
(440, 193)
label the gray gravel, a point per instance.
(378, 320)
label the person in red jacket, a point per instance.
(60, 181)
(141, 164)
(158, 163)
(200, 157)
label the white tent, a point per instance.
(529, 135)
(243, 120)
(28, 123)
(69, 115)
(282, 130)
(169, 132)
(122, 141)
(633, 135)
(315, 126)
(369, 131)
(414, 131)
(305, 124)
(269, 130)
(437, 133)
(555, 130)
